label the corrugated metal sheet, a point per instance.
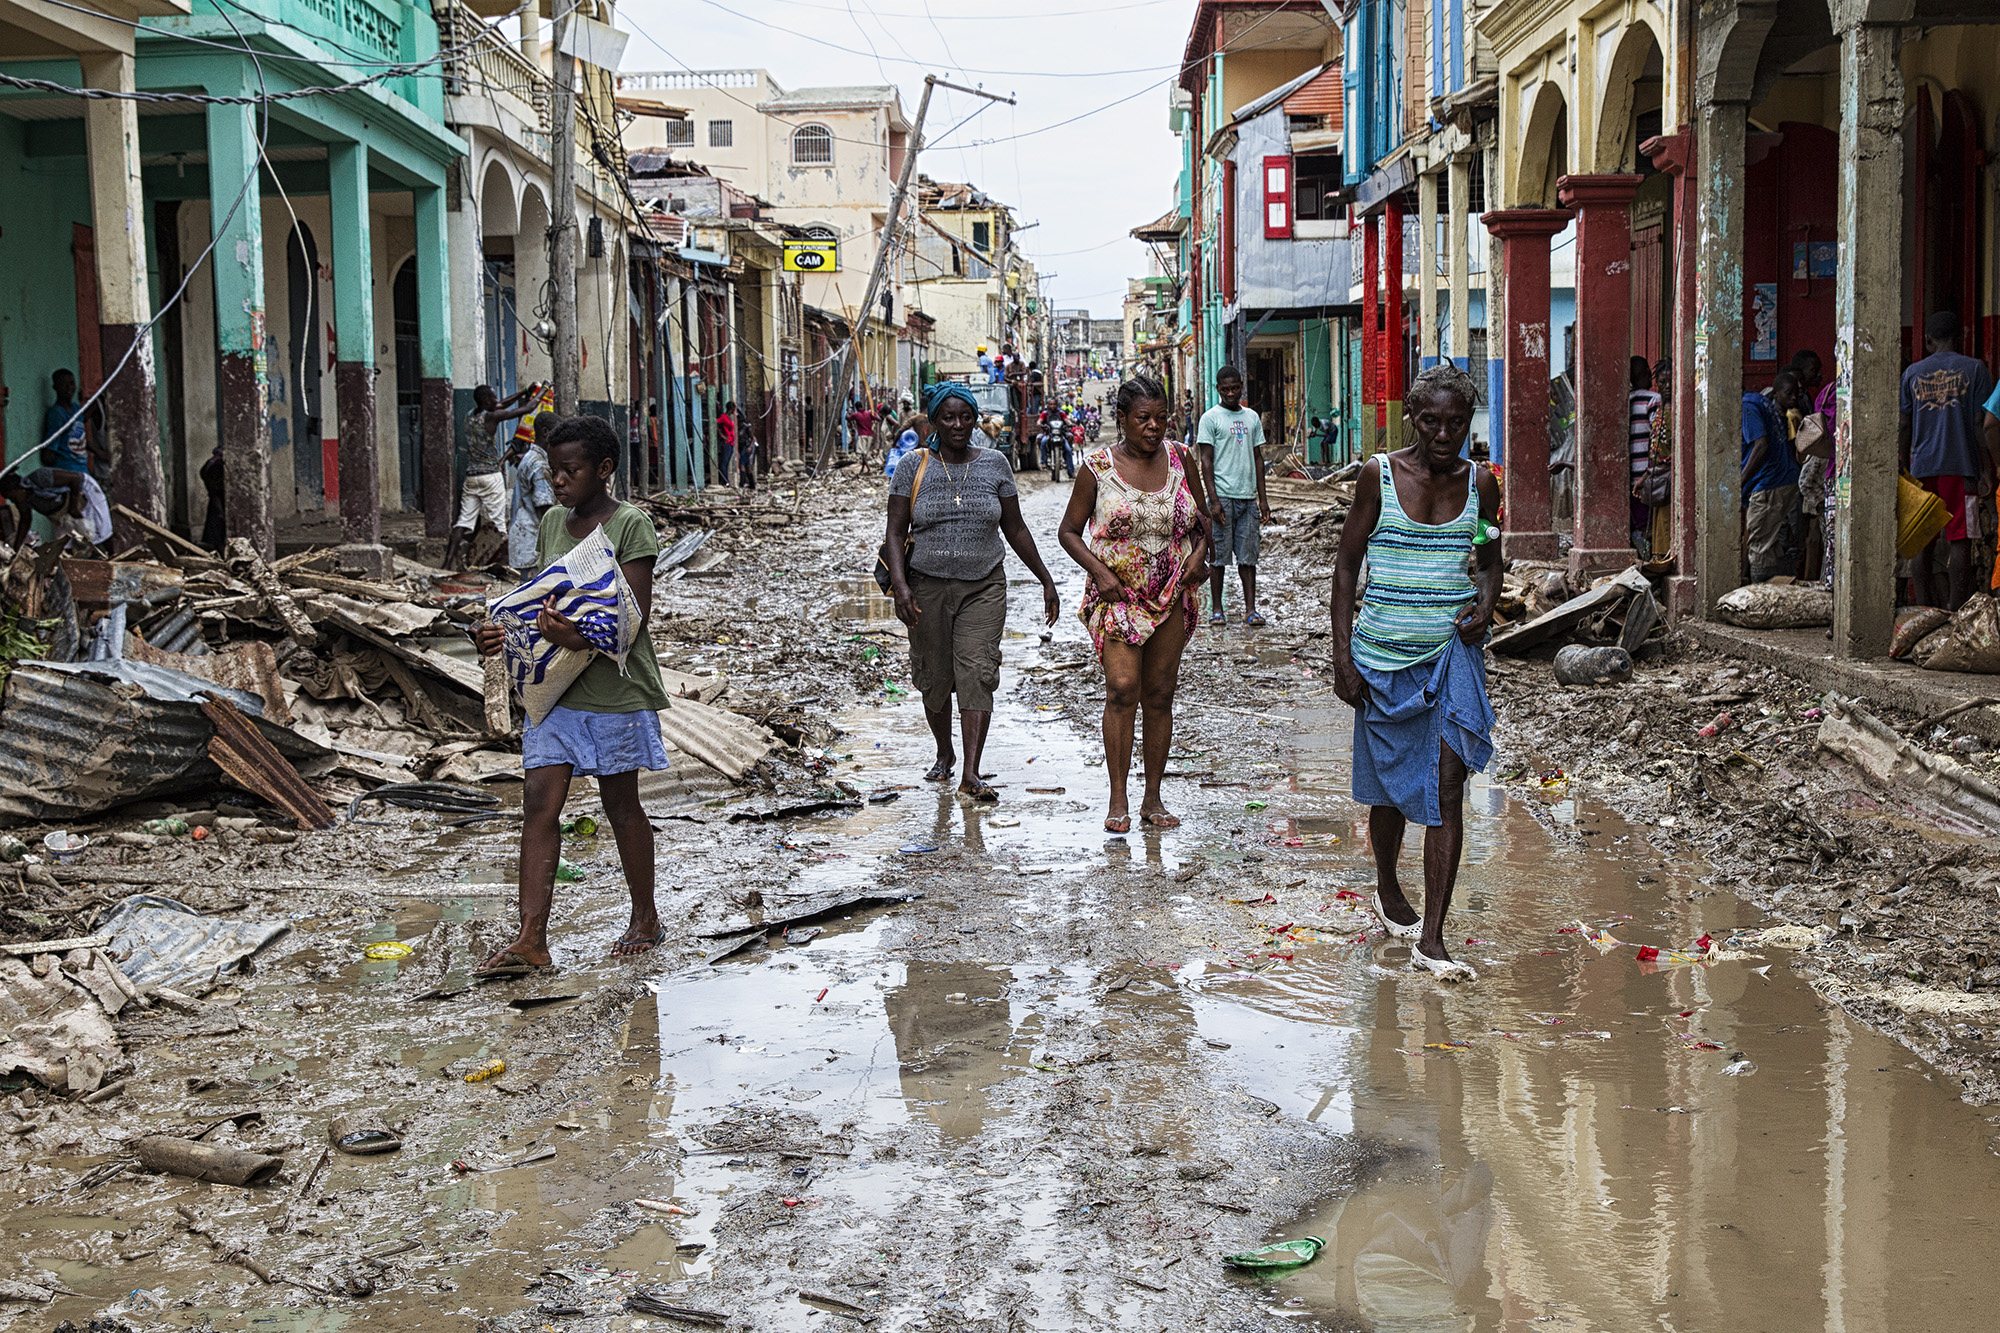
(80, 737)
(1321, 97)
(256, 766)
(727, 742)
(168, 943)
(249, 667)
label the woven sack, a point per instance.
(590, 590)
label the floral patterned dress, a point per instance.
(1148, 539)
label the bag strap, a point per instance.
(916, 483)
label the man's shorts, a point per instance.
(484, 494)
(1767, 516)
(1951, 490)
(1238, 536)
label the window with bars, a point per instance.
(721, 134)
(678, 132)
(812, 146)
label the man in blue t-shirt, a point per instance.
(67, 428)
(1940, 436)
(1771, 515)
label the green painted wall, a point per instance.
(39, 200)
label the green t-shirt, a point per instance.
(1233, 435)
(601, 689)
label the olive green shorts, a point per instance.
(955, 644)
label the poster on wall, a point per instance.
(1764, 321)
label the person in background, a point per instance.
(1942, 441)
(1660, 460)
(952, 590)
(1413, 666)
(73, 443)
(986, 370)
(862, 419)
(607, 724)
(56, 493)
(725, 442)
(1562, 439)
(215, 524)
(1641, 403)
(746, 452)
(915, 427)
(532, 496)
(1813, 474)
(1770, 480)
(1134, 524)
(1230, 442)
(485, 490)
(1827, 404)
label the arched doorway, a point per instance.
(302, 361)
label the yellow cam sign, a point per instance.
(812, 256)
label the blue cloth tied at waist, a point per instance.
(1408, 714)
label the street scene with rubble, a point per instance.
(1252, 665)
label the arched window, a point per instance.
(812, 146)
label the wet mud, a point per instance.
(1049, 1092)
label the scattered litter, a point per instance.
(491, 1069)
(1003, 821)
(363, 1134)
(475, 1163)
(66, 847)
(644, 1302)
(1723, 722)
(1046, 791)
(162, 942)
(1576, 664)
(1285, 1254)
(206, 1161)
(1738, 1066)
(660, 1206)
(388, 949)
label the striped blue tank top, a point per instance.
(1417, 582)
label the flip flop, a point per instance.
(1409, 932)
(1218, 619)
(941, 772)
(1254, 618)
(1160, 819)
(1444, 969)
(981, 793)
(1118, 824)
(500, 971)
(631, 946)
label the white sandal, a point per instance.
(1444, 969)
(1396, 932)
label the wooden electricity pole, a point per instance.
(843, 376)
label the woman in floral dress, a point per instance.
(1135, 527)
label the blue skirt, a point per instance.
(595, 745)
(1409, 714)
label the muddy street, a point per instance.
(1049, 1082)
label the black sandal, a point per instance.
(941, 771)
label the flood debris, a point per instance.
(165, 942)
(214, 1163)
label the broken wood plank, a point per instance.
(1520, 638)
(244, 559)
(360, 588)
(164, 533)
(241, 751)
(27, 947)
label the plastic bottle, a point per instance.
(491, 1069)
(567, 873)
(173, 826)
(1285, 1254)
(583, 826)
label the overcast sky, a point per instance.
(1086, 183)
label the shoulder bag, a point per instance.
(909, 543)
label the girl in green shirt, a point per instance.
(607, 725)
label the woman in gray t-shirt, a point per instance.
(952, 590)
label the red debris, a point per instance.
(821, 996)
(1647, 953)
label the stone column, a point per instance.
(1525, 233)
(1393, 367)
(1428, 350)
(1496, 317)
(434, 331)
(354, 360)
(465, 227)
(1674, 154)
(1715, 488)
(1459, 229)
(124, 304)
(1867, 340)
(1371, 338)
(1603, 206)
(242, 423)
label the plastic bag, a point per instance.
(590, 590)
(1777, 605)
(1971, 642)
(1912, 624)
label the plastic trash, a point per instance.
(915, 848)
(1723, 722)
(567, 873)
(12, 848)
(388, 949)
(173, 826)
(1485, 533)
(1285, 1254)
(1578, 665)
(1738, 1066)
(491, 1069)
(583, 826)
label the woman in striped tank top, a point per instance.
(1413, 665)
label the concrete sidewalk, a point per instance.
(1808, 654)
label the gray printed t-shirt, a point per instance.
(956, 519)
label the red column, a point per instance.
(1371, 339)
(1603, 206)
(1525, 233)
(1394, 351)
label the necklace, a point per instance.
(957, 483)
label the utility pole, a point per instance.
(843, 376)
(563, 354)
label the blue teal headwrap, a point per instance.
(938, 395)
